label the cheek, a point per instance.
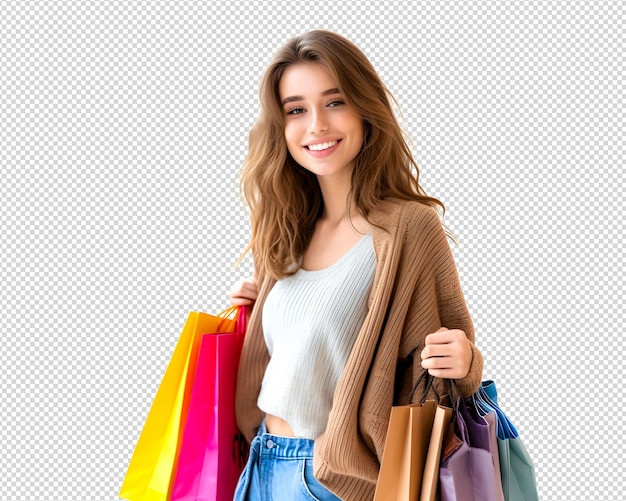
(356, 125)
(291, 138)
(359, 132)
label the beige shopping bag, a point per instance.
(406, 451)
(430, 480)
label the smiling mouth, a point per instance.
(321, 146)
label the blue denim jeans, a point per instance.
(280, 469)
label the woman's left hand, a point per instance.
(448, 354)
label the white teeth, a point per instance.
(322, 146)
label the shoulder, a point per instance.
(410, 229)
(406, 218)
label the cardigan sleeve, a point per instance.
(454, 314)
(438, 301)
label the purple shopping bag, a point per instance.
(213, 452)
(467, 472)
(481, 431)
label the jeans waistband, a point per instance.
(283, 447)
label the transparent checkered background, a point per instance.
(123, 125)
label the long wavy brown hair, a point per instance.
(285, 199)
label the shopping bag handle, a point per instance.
(241, 317)
(453, 387)
(242, 320)
(427, 386)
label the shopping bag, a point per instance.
(486, 400)
(517, 471)
(406, 450)
(467, 471)
(430, 479)
(150, 472)
(213, 451)
(482, 436)
(492, 423)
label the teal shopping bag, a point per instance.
(517, 471)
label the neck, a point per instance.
(335, 193)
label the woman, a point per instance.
(355, 292)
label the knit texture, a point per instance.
(416, 291)
(310, 322)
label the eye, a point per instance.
(336, 102)
(296, 110)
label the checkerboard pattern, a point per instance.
(123, 126)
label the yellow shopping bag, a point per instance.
(150, 473)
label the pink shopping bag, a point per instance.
(213, 452)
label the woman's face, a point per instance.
(324, 133)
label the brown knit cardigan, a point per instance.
(416, 290)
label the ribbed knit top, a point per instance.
(310, 322)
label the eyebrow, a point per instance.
(328, 92)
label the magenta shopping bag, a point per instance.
(213, 452)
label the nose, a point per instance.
(319, 121)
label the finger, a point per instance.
(437, 350)
(244, 289)
(444, 337)
(243, 295)
(433, 338)
(446, 373)
(251, 286)
(438, 363)
(439, 337)
(444, 367)
(250, 280)
(244, 292)
(240, 301)
(248, 291)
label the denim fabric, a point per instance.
(280, 469)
